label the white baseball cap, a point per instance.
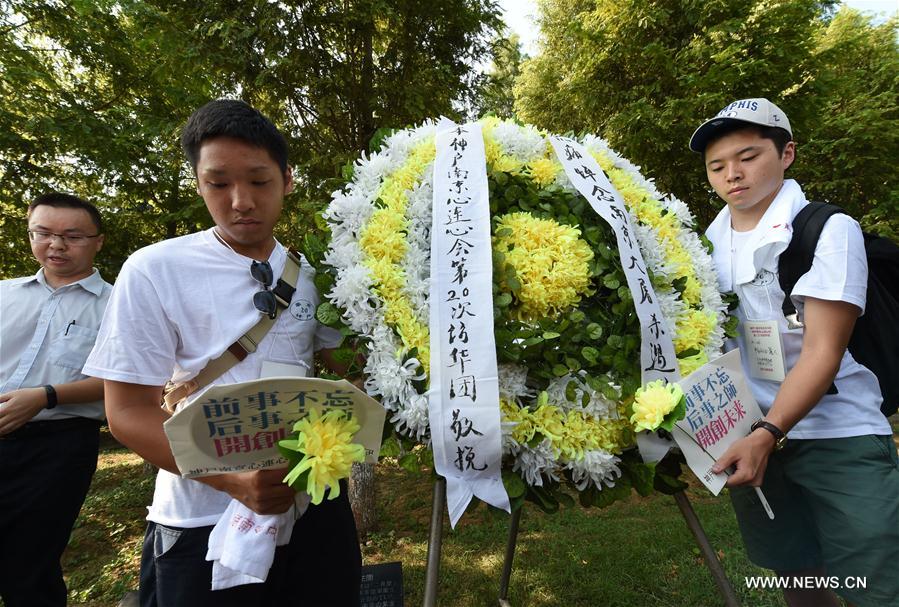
(752, 111)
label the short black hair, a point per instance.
(780, 137)
(232, 118)
(68, 201)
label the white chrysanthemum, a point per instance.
(680, 210)
(653, 254)
(352, 292)
(416, 263)
(413, 418)
(512, 382)
(533, 463)
(351, 209)
(525, 143)
(510, 445)
(386, 375)
(598, 467)
(672, 306)
(367, 175)
(597, 405)
(344, 251)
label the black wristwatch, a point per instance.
(51, 396)
(780, 439)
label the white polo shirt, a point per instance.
(46, 335)
(747, 264)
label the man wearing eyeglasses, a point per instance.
(50, 412)
(179, 304)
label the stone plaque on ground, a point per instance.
(382, 585)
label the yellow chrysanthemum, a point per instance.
(604, 162)
(551, 262)
(492, 149)
(614, 435)
(653, 402)
(691, 363)
(543, 171)
(572, 433)
(328, 452)
(668, 229)
(549, 421)
(389, 279)
(508, 164)
(577, 435)
(383, 244)
(524, 427)
(384, 236)
(693, 330)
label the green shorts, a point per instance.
(836, 506)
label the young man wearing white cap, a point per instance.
(825, 461)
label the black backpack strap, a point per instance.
(796, 260)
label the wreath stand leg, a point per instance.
(507, 560)
(435, 540)
(708, 553)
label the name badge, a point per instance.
(764, 350)
(273, 369)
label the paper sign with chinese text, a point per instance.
(236, 427)
(720, 410)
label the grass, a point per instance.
(636, 553)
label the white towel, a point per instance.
(242, 544)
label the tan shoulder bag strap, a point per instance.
(244, 346)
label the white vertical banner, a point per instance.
(657, 357)
(463, 399)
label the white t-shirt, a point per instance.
(178, 304)
(747, 264)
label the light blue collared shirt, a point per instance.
(46, 335)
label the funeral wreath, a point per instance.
(567, 337)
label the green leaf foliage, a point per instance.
(645, 73)
(94, 95)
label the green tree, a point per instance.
(497, 92)
(851, 141)
(644, 73)
(94, 93)
(90, 105)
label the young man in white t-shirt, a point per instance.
(826, 462)
(182, 302)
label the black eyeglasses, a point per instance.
(264, 300)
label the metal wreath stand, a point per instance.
(435, 542)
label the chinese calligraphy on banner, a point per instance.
(236, 427)
(657, 357)
(463, 400)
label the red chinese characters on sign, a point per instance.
(713, 409)
(244, 443)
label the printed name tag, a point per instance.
(764, 350)
(272, 369)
